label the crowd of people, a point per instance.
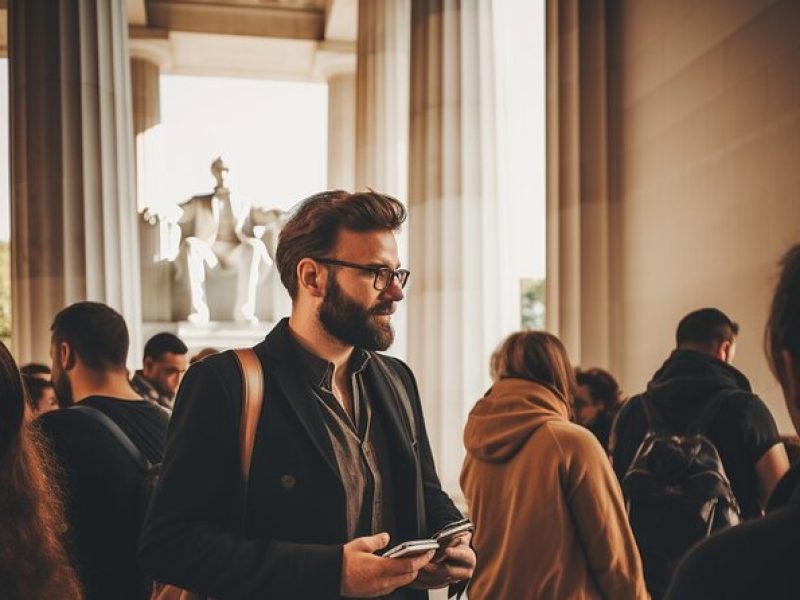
(302, 468)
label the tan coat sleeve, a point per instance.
(597, 508)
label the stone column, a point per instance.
(582, 217)
(73, 209)
(341, 130)
(455, 294)
(146, 92)
(335, 62)
(382, 94)
(151, 170)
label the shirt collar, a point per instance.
(320, 372)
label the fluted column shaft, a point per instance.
(454, 312)
(341, 131)
(146, 92)
(73, 210)
(382, 105)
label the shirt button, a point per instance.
(288, 482)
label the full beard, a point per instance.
(353, 324)
(63, 390)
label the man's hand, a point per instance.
(454, 562)
(365, 575)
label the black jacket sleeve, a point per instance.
(188, 538)
(439, 508)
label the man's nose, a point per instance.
(394, 290)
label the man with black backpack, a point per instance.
(697, 451)
(104, 445)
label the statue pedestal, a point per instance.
(221, 335)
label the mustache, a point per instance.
(384, 308)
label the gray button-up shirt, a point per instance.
(359, 444)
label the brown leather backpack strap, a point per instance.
(252, 400)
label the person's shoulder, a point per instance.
(631, 410)
(737, 549)
(392, 361)
(573, 439)
(738, 400)
(63, 419)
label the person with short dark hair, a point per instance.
(41, 395)
(103, 484)
(202, 354)
(759, 559)
(33, 559)
(549, 517)
(163, 366)
(698, 382)
(37, 370)
(597, 400)
(342, 463)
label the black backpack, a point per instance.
(676, 493)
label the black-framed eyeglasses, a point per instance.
(383, 275)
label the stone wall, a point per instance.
(704, 126)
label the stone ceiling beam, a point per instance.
(274, 22)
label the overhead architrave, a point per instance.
(237, 19)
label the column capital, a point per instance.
(156, 51)
(334, 58)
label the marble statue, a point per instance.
(217, 230)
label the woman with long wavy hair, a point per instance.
(33, 561)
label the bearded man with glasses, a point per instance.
(341, 465)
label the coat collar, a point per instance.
(278, 354)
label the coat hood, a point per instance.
(687, 373)
(510, 412)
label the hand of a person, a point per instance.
(366, 575)
(453, 563)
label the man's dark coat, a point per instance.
(295, 523)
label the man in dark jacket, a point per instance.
(696, 375)
(758, 559)
(698, 388)
(341, 462)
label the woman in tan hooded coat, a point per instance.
(550, 522)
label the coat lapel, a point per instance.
(276, 357)
(386, 396)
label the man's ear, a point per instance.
(725, 352)
(789, 370)
(311, 277)
(67, 356)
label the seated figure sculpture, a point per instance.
(218, 230)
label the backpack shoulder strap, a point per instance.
(122, 438)
(702, 421)
(655, 423)
(252, 401)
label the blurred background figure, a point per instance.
(597, 400)
(164, 363)
(202, 354)
(41, 395)
(37, 370)
(33, 563)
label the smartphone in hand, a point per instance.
(411, 548)
(448, 532)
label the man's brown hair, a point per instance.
(314, 228)
(537, 356)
